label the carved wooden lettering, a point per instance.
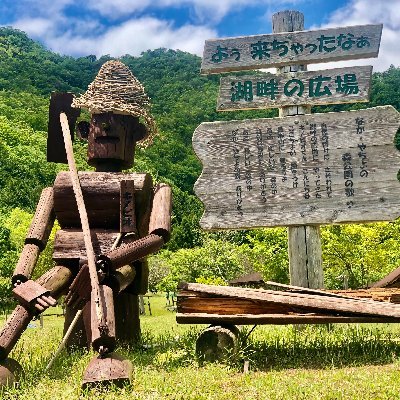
(288, 48)
(333, 86)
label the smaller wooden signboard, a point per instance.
(288, 48)
(266, 90)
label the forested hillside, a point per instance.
(181, 99)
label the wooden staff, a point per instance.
(84, 221)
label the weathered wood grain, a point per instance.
(235, 54)
(101, 192)
(308, 302)
(305, 256)
(304, 242)
(69, 244)
(223, 186)
(268, 90)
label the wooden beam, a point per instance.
(276, 319)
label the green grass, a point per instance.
(314, 362)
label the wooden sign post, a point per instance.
(304, 241)
(300, 170)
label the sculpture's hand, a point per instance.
(33, 296)
(80, 289)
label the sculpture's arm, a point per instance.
(26, 291)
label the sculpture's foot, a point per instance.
(10, 372)
(107, 369)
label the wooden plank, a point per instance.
(127, 206)
(276, 319)
(279, 49)
(306, 169)
(266, 90)
(306, 301)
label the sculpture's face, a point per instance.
(112, 139)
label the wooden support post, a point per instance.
(217, 343)
(304, 242)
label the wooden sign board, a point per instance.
(288, 48)
(306, 169)
(333, 86)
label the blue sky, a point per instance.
(118, 27)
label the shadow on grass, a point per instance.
(315, 347)
(320, 347)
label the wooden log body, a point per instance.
(101, 194)
(26, 263)
(43, 220)
(103, 339)
(56, 281)
(69, 245)
(160, 218)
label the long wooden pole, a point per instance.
(304, 242)
(84, 220)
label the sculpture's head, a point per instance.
(119, 117)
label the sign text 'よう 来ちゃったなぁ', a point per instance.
(302, 47)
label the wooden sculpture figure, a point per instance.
(128, 218)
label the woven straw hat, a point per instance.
(115, 89)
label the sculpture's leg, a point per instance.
(127, 307)
(127, 318)
(56, 280)
(111, 367)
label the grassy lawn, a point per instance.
(315, 362)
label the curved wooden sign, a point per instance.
(307, 169)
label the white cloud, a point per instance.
(133, 37)
(206, 11)
(36, 27)
(359, 12)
